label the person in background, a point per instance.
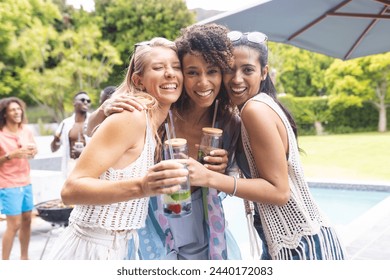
(287, 219)
(106, 93)
(71, 133)
(115, 175)
(17, 146)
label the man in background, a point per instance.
(71, 133)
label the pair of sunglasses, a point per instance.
(144, 43)
(254, 37)
(85, 100)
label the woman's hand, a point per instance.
(120, 102)
(164, 178)
(198, 172)
(217, 160)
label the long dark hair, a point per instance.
(4, 103)
(266, 86)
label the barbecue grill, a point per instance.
(55, 212)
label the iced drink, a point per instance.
(179, 203)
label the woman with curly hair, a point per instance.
(205, 52)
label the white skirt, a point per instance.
(85, 243)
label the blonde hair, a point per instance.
(139, 59)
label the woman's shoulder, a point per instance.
(127, 121)
(253, 105)
(127, 116)
(258, 110)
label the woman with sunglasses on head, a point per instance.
(114, 177)
(287, 219)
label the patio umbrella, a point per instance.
(342, 29)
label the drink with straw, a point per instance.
(177, 204)
(211, 140)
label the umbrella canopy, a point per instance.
(342, 29)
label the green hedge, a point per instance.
(337, 120)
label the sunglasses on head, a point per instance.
(254, 37)
(85, 100)
(139, 44)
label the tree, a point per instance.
(126, 22)
(378, 69)
(17, 16)
(49, 58)
(300, 72)
(362, 80)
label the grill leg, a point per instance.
(47, 241)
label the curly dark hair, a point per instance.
(210, 41)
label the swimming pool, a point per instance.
(341, 205)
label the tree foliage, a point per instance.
(126, 22)
(360, 80)
(299, 72)
(46, 59)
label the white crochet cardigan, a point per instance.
(285, 226)
(122, 215)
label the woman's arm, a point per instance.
(118, 142)
(116, 104)
(269, 146)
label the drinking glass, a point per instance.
(211, 140)
(178, 204)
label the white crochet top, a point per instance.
(122, 215)
(285, 226)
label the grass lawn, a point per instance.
(353, 157)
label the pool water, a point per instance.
(342, 206)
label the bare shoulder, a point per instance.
(257, 111)
(124, 124)
(135, 119)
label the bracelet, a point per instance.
(234, 187)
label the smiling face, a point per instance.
(202, 81)
(243, 82)
(162, 77)
(14, 113)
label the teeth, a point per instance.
(169, 86)
(204, 93)
(239, 90)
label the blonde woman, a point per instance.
(114, 177)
